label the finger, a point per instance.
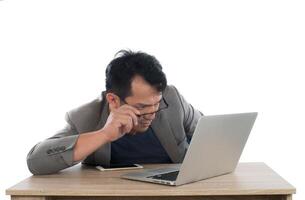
(123, 122)
(126, 123)
(132, 115)
(130, 112)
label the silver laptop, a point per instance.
(215, 149)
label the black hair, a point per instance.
(126, 65)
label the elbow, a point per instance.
(42, 159)
(30, 160)
(39, 164)
(44, 165)
(31, 166)
(39, 167)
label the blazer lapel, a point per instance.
(163, 131)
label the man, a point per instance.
(138, 119)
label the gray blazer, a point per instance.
(173, 127)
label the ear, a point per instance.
(113, 101)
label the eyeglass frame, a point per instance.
(141, 115)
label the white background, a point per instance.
(223, 56)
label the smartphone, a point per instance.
(113, 167)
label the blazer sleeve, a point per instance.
(54, 153)
(191, 116)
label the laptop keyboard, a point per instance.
(170, 176)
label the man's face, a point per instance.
(146, 99)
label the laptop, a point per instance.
(214, 150)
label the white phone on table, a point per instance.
(119, 167)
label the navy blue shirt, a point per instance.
(140, 148)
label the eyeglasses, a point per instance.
(162, 106)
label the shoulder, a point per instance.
(174, 99)
(171, 94)
(87, 114)
(169, 91)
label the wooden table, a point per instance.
(251, 181)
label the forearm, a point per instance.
(87, 143)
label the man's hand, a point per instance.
(120, 121)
